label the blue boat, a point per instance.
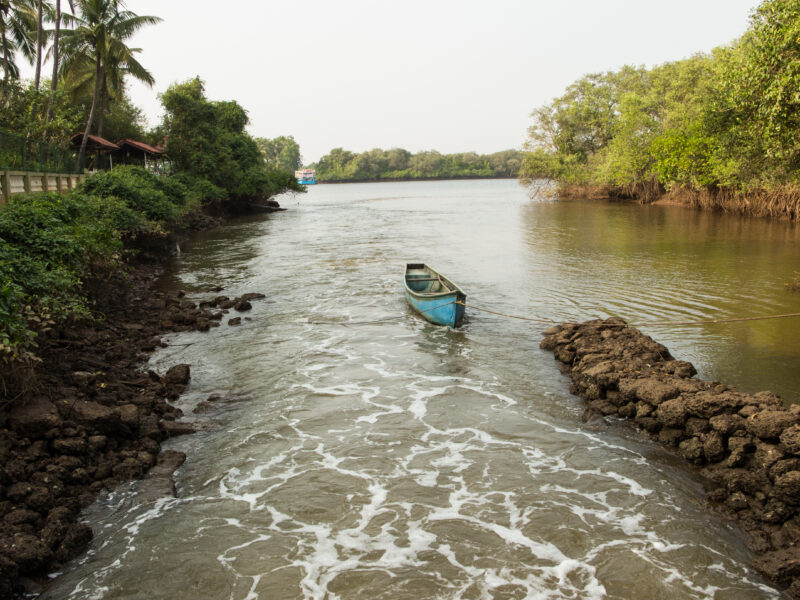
(433, 296)
(306, 176)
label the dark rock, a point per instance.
(159, 482)
(175, 428)
(790, 438)
(179, 374)
(204, 408)
(148, 427)
(691, 450)
(252, 296)
(129, 416)
(766, 455)
(243, 306)
(714, 446)
(649, 424)
(781, 565)
(604, 406)
(95, 415)
(671, 436)
(672, 413)
(35, 417)
(709, 404)
(76, 540)
(737, 501)
(695, 426)
(235, 321)
(129, 468)
(784, 466)
(41, 499)
(769, 424)
(776, 512)
(73, 445)
(22, 515)
(19, 491)
(727, 424)
(97, 442)
(25, 550)
(787, 486)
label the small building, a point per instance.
(98, 150)
(132, 152)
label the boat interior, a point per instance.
(422, 280)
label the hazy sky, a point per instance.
(452, 76)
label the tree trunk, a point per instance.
(6, 57)
(102, 116)
(98, 73)
(54, 81)
(56, 37)
(39, 43)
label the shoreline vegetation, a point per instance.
(397, 164)
(715, 131)
(402, 179)
(78, 320)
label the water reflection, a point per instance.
(665, 263)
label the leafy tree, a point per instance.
(17, 23)
(281, 153)
(729, 118)
(207, 142)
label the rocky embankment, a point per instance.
(746, 445)
(91, 418)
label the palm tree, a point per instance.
(17, 24)
(98, 38)
(54, 49)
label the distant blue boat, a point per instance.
(306, 176)
(433, 296)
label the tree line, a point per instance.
(377, 164)
(52, 244)
(717, 124)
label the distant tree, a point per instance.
(207, 142)
(281, 153)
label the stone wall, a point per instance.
(746, 445)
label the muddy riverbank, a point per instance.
(746, 445)
(88, 417)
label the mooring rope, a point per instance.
(644, 323)
(711, 321)
(504, 314)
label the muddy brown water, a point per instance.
(396, 459)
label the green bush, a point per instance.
(158, 200)
(50, 244)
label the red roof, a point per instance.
(97, 141)
(141, 146)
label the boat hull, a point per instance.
(433, 296)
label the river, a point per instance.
(395, 459)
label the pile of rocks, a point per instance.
(748, 445)
(91, 419)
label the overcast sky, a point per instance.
(453, 76)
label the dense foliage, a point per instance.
(342, 165)
(281, 153)
(725, 120)
(50, 244)
(207, 143)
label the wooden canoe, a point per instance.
(434, 296)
